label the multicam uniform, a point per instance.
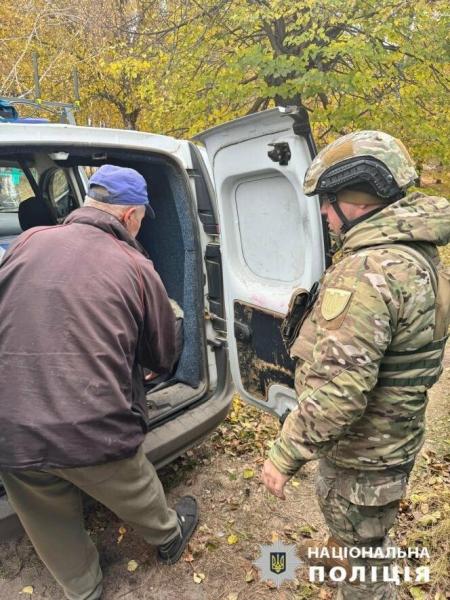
(367, 354)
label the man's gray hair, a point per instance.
(118, 210)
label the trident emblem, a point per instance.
(278, 562)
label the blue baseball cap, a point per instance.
(124, 186)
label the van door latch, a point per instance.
(281, 153)
(242, 332)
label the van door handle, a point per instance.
(281, 153)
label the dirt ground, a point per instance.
(237, 515)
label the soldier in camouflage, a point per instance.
(370, 348)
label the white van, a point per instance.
(233, 236)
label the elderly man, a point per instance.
(368, 352)
(82, 312)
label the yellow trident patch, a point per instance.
(334, 303)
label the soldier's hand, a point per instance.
(274, 480)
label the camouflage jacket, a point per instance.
(377, 302)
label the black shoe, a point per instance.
(187, 511)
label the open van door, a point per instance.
(272, 241)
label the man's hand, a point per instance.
(179, 312)
(274, 480)
(150, 375)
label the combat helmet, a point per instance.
(362, 160)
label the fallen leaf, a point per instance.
(307, 530)
(275, 537)
(248, 473)
(430, 519)
(416, 498)
(295, 483)
(249, 576)
(189, 557)
(424, 509)
(132, 566)
(197, 548)
(28, 589)
(417, 593)
(405, 505)
(212, 543)
(232, 596)
(233, 539)
(199, 577)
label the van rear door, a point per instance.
(272, 242)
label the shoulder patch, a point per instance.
(334, 302)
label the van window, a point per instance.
(59, 192)
(14, 187)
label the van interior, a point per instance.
(41, 187)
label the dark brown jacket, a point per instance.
(82, 310)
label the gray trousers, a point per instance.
(49, 505)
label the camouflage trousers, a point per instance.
(360, 507)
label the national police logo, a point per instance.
(278, 563)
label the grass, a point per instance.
(425, 522)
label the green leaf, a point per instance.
(132, 566)
(248, 473)
(307, 530)
(430, 519)
(417, 593)
(28, 589)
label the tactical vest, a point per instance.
(422, 366)
(419, 367)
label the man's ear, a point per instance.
(129, 212)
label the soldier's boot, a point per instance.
(358, 591)
(347, 590)
(334, 548)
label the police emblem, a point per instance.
(278, 563)
(334, 303)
